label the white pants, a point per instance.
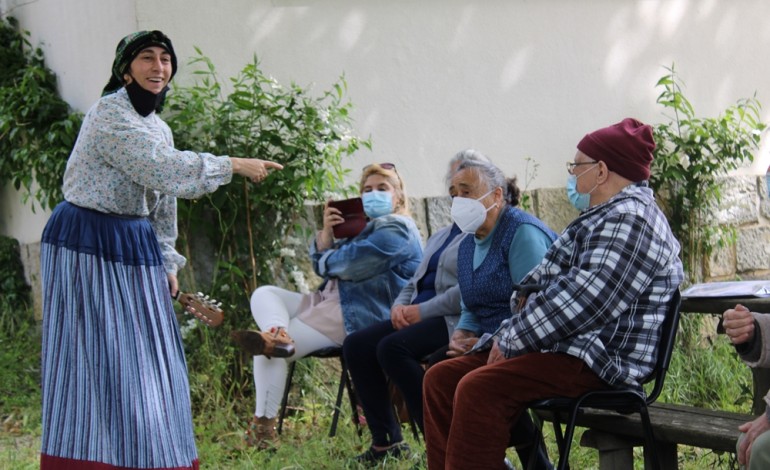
(275, 307)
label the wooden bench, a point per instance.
(615, 435)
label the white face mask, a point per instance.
(469, 213)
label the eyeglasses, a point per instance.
(571, 166)
(385, 166)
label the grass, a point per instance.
(705, 372)
(19, 391)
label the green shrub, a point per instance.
(37, 128)
(246, 235)
(691, 157)
(247, 225)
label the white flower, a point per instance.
(288, 253)
(188, 326)
(299, 280)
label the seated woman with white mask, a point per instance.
(506, 245)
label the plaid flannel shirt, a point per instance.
(608, 280)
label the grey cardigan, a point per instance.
(446, 303)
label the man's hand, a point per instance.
(461, 342)
(495, 354)
(738, 323)
(752, 429)
(404, 315)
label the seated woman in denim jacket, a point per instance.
(506, 243)
(362, 277)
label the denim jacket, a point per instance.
(371, 268)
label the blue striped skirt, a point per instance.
(114, 377)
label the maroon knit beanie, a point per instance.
(626, 148)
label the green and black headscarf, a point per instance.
(128, 48)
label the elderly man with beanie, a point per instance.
(114, 378)
(595, 324)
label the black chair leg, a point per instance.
(285, 399)
(649, 437)
(352, 397)
(415, 431)
(539, 440)
(560, 441)
(344, 383)
(569, 433)
(338, 402)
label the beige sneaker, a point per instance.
(274, 343)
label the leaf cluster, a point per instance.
(37, 128)
(238, 237)
(260, 118)
(692, 156)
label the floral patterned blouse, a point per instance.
(126, 164)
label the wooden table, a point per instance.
(717, 305)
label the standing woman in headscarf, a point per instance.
(114, 377)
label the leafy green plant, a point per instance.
(691, 157)
(246, 235)
(37, 127)
(260, 118)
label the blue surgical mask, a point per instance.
(377, 203)
(581, 201)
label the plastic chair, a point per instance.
(622, 401)
(345, 383)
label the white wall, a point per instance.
(77, 39)
(17, 220)
(513, 78)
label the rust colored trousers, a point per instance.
(470, 408)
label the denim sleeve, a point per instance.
(387, 244)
